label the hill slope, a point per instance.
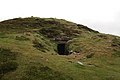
(28, 51)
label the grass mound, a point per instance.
(93, 56)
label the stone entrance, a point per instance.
(61, 49)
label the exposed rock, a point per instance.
(80, 63)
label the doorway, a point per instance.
(61, 49)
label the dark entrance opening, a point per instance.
(61, 49)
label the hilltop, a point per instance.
(36, 48)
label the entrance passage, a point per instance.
(61, 49)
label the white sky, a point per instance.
(101, 15)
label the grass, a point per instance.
(40, 72)
(7, 61)
(28, 54)
(21, 38)
(56, 67)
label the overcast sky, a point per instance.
(101, 15)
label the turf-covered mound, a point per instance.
(30, 48)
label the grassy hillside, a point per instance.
(28, 51)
